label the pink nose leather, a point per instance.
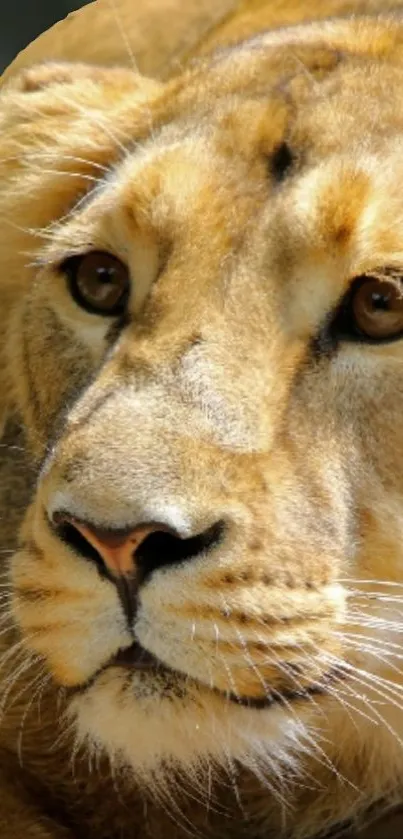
(115, 549)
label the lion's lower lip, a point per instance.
(277, 698)
(137, 658)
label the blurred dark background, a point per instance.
(22, 20)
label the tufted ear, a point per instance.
(41, 76)
(50, 73)
(60, 118)
(54, 98)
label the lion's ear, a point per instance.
(54, 73)
(44, 75)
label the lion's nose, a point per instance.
(139, 550)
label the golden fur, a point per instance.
(218, 399)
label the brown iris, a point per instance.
(99, 282)
(377, 307)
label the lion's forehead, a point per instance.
(205, 187)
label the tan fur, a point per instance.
(210, 404)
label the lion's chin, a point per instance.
(147, 717)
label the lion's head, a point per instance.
(202, 336)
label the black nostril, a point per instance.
(80, 545)
(163, 548)
(135, 551)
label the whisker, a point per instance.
(384, 643)
(38, 692)
(380, 718)
(29, 662)
(363, 644)
(372, 582)
(123, 33)
(370, 681)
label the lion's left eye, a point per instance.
(98, 282)
(372, 310)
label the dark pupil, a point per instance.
(106, 276)
(380, 301)
(104, 284)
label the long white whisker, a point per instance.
(125, 39)
(43, 679)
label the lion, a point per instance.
(201, 399)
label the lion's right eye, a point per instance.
(372, 309)
(98, 282)
(377, 306)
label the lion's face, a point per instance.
(207, 358)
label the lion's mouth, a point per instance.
(137, 658)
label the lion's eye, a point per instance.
(378, 309)
(98, 282)
(372, 310)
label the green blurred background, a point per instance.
(22, 20)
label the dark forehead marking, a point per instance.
(281, 161)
